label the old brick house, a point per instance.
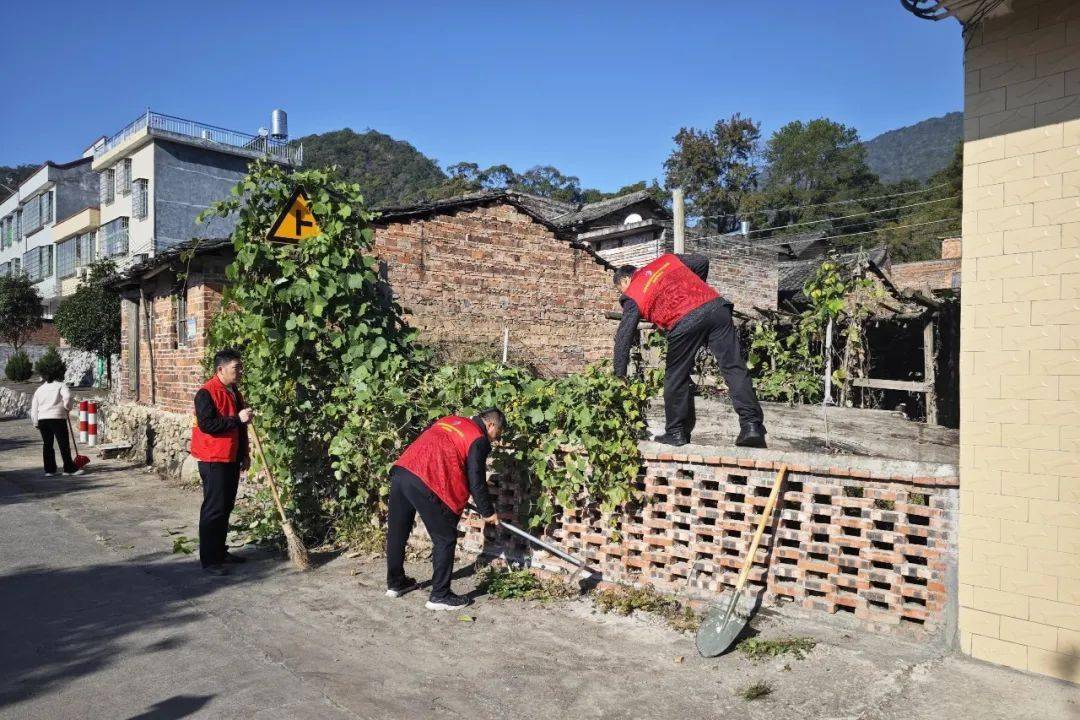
(469, 271)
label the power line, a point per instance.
(825, 204)
(855, 215)
(734, 240)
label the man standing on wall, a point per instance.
(219, 442)
(434, 477)
(672, 293)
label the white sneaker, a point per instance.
(77, 472)
(450, 602)
(51, 474)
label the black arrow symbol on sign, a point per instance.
(300, 223)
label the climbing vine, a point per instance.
(340, 383)
(788, 356)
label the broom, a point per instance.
(297, 552)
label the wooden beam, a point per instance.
(929, 374)
(908, 386)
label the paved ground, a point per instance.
(101, 620)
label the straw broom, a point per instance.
(297, 552)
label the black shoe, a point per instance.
(752, 435)
(231, 559)
(676, 439)
(401, 587)
(450, 601)
(216, 570)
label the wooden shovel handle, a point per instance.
(266, 470)
(765, 515)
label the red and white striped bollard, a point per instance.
(91, 424)
(82, 420)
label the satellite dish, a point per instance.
(631, 219)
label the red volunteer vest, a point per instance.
(438, 458)
(666, 290)
(221, 447)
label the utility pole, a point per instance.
(679, 207)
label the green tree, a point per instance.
(811, 164)
(916, 234)
(50, 364)
(89, 319)
(12, 175)
(18, 367)
(717, 168)
(20, 309)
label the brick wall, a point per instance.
(951, 248)
(463, 276)
(749, 278)
(872, 538)
(178, 369)
(926, 275)
(1020, 341)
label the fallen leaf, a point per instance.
(466, 618)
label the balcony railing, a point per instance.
(291, 153)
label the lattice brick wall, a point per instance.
(843, 539)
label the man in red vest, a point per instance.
(672, 293)
(434, 477)
(219, 442)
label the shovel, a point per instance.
(725, 621)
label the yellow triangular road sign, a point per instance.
(296, 221)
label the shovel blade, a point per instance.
(722, 625)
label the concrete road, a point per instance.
(100, 619)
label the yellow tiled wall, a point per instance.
(1020, 341)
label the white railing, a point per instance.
(285, 152)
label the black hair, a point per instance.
(52, 373)
(494, 416)
(626, 271)
(224, 357)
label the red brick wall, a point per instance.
(873, 538)
(464, 276)
(927, 275)
(747, 277)
(45, 335)
(178, 369)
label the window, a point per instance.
(66, 258)
(5, 269)
(114, 238)
(16, 266)
(140, 200)
(31, 215)
(85, 249)
(47, 207)
(123, 177)
(107, 187)
(38, 263)
(180, 303)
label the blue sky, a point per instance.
(597, 89)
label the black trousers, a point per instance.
(55, 430)
(219, 483)
(409, 496)
(710, 325)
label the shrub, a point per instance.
(50, 366)
(19, 368)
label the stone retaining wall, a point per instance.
(14, 404)
(158, 438)
(870, 537)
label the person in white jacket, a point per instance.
(49, 412)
